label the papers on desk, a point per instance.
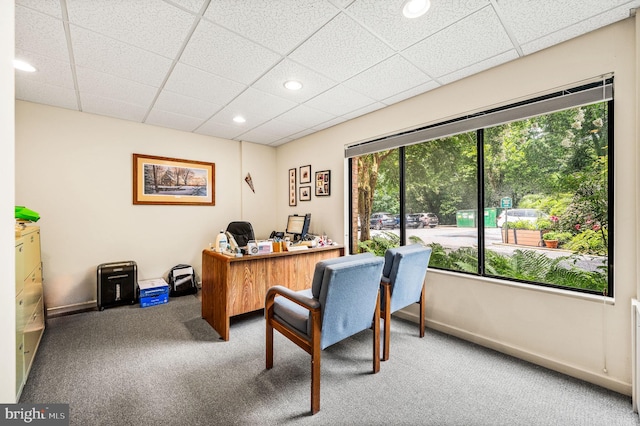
(297, 248)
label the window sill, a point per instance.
(549, 290)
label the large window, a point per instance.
(543, 182)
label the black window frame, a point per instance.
(603, 83)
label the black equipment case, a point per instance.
(117, 284)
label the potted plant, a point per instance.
(550, 239)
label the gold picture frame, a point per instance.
(173, 181)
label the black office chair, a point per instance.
(242, 232)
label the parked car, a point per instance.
(382, 220)
(515, 215)
(413, 221)
(429, 219)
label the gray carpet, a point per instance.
(164, 365)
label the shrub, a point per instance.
(379, 244)
(589, 242)
(520, 224)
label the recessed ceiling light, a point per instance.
(239, 119)
(293, 85)
(415, 8)
(23, 66)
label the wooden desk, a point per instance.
(237, 285)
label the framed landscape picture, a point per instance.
(323, 183)
(173, 181)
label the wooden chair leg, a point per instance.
(376, 337)
(387, 322)
(269, 344)
(315, 362)
(422, 306)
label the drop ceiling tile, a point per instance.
(479, 67)
(415, 91)
(530, 20)
(364, 110)
(257, 136)
(49, 70)
(299, 135)
(277, 128)
(305, 116)
(191, 107)
(113, 87)
(193, 6)
(254, 103)
(112, 108)
(225, 117)
(219, 51)
(312, 82)
(330, 123)
(387, 78)
(172, 121)
(577, 29)
(217, 129)
(385, 19)
(148, 24)
(50, 7)
(95, 51)
(470, 40)
(263, 21)
(41, 34)
(33, 91)
(195, 83)
(341, 49)
(339, 100)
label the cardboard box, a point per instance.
(153, 292)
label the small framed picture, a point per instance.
(323, 183)
(305, 193)
(305, 174)
(292, 187)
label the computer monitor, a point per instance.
(298, 226)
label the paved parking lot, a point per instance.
(453, 238)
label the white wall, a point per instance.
(75, 169)
(7, 252)
(259, 208)
(326, 211)
(578, 335)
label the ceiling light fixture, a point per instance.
(239, 119)
(415, 8)
(23, 66)
(293, 85)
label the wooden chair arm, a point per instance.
(304, 301)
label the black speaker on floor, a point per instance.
(117, 284)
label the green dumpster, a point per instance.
(466, 219)
(490, 217)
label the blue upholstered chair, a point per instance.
(402, 285)
(343, 300)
